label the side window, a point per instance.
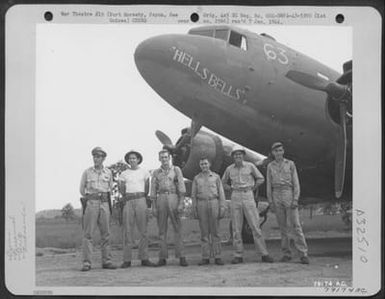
(222, 34)
(238, 40)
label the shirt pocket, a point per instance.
(92, 183)
(213, 187)
(234, 176)
(286, 172)
(245, 175)
(105, 181)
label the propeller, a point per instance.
(163, 138)
(336, 91)
(178, 150)
(194, 128)
(340, 91)
(340, 163)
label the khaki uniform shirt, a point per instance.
(170, 180)
(244, 177)
(207, 186)
(95, 181)
(282, 177)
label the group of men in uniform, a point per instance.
(165, 200)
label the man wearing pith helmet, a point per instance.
(134, 186)
(283, 190)
(242, 178)
(95, 187)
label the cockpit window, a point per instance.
(209, 33)
(238, 40)
(222, 34)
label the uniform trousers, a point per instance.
(208, 212)
(288, 221)
(243, 204)
(96, 214)
(135, 213)
(167, 205)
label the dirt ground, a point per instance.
(331, 260)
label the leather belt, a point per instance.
(208, 198)
(243, 190)
(134, 195)
(102, 196)
(166, 192)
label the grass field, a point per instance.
(58, 233)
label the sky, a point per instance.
(89, 93)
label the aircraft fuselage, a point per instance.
(242, 93)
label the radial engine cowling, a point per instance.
(205, 144)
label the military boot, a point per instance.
(125, 265)
(267, 259)
(161, 262)
(148, 263)
(183, 262)
(237, 260)
(204, 262)
(218, 261)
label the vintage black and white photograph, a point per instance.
(193, 155)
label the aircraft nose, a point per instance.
(152, 57)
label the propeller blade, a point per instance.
(195, 127)
(333, 89)
(308, 80)
(163, 138)
(340, 162)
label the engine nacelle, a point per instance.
(215, 148)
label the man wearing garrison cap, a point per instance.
(283, 190)
(95, 187)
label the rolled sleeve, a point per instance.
(194, 192)
(268, 184)
(221, 193)
(225, 179)
(181, 186)
(83, 183)
(259, 179)
(194, 189)
(154, 186)
(296, 187)
(111, 181)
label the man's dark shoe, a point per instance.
(109, 266)
(148, 263)
(305, 260)
(267, 259)
(237, 260)
(125, 265)
(161, 262)
(285, 259)
(218, 261)
(86, 268)
(183, 262)
(204, 262)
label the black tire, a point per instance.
(247, 235)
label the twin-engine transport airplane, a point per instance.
(254, 91)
